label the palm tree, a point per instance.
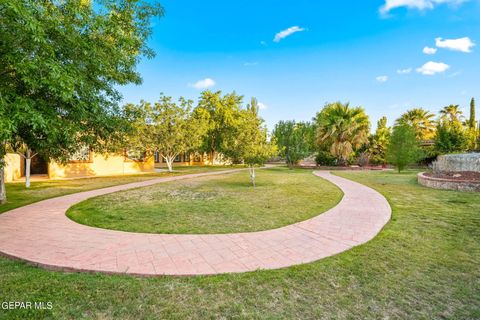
(451, 113)
(421, 120)
(342, 128)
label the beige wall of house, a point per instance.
(100, 165)
(13, 168)
(96, 165)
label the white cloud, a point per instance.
(262, 106)
(415, 4)
(428, 50)
(203, 84)
(430, 68)
(287, 32)
(461, 44)
(250, 64)
(404, 71)
(382, 78)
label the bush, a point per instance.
(325, 158)
(451, 137)
(363, 159)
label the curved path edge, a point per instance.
(41, 234)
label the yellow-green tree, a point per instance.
(421, 120)
(342, 128)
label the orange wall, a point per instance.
(13, 169)
(101, 165)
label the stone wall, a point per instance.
(438, 183)
(457, 163)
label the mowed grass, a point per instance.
(216, 204)
(425, 264)
(18, 195)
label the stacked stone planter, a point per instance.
(469, 162)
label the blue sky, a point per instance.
(338, 51)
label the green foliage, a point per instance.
(325, 158)
(295, 140)
(378, 142)
(403, 148)
(60, 64)
(451, 136)
(250, 144)
(168, 127)
(421, 121)
(222, 113)
(342, 128)
(451, 113)
(471, 121)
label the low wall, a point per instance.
(446, 184)
(457, 162)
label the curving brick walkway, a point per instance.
(41, 234)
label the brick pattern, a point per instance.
(42, 235)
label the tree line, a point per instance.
(340, 134)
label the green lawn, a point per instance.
(18, 195)
(423, 265)
(217, 204)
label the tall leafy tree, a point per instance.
(473, 130)
(222, 113)
(472, 123)
(342, 128)
(379, 141)
(251, 143)
(167, 127)
(60, 64)
(421, 121)
(403, 148)
(295, 140)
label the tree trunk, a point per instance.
(252, 174)
(28, 161)
(169, 162)
(3, 192)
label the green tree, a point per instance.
(473, 130)
(451, 136)
(472, 123)
(251, 143)
(421, 121)
(295, 140)
(222, 113)
(167, 127)
(451, 113)
(342, 128)
(379, 141)
(403, 148)
(61, 62)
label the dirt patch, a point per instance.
(456, 176)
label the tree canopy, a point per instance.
(167, 127)
(343, 128)
(296, 140)
(222, 113)
(61, 63)
(421, 121)
(403, 148)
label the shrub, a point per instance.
(325, 158)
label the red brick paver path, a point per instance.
(41, 234)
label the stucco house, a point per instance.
(81, 164)
(85, 163)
